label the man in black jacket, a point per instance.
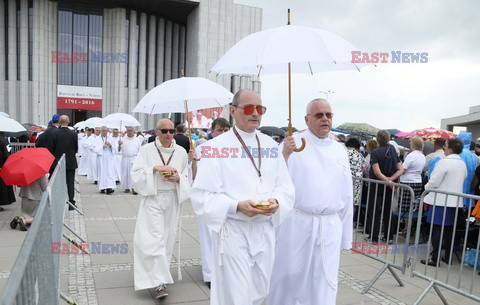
(65, 141)
(48, 134)
(181, 139)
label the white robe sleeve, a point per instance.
(144, 181)
(209, 201)
(284, 191)
(346, 214)
(183, 186)
(97, 146)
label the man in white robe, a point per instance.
(229, 185)
(92, 173)
(85, 153)
(309, 241)
(128, 148)
(162, 196)
(219, 126)
(116, 155)
(105, 160)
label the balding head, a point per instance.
(64, 120)
(319, 117)
(165, 131)
(247, 122)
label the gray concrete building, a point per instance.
(92, 58)
(470, 120)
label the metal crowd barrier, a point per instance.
(378, 219)
(451, 274)
(16, 146)
(35, 276)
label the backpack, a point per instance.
(390, 167)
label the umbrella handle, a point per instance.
(304, 142)
(193, 147)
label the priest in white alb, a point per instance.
(309, 240)
(128, 147)
(160, 176)
(84, 153)
(242, 191)
(103, 148)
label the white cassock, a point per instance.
(242, 246)
(105, 163)
(92, 172)
(83, 166)
(309, 240)
(117, 156)
(128, 152)
(80, 136)
(158, 214)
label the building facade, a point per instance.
(471, 121)
(93, 58)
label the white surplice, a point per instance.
(242, 246)
(85, 153)
(158, 214)
(117, 156)
(92, 171)
(128, 152)
(105, 163)
(309, 240)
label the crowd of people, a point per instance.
(271, 220)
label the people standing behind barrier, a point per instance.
(438, 146)
(470, 160)
(385, 165)
(369, 147)
(160, 176)
(358, 169)
(128, 147)
(7, 196)
(48, 135)
(448, 175)
(31, 195)
(65, 141)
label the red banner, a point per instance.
(79, 103)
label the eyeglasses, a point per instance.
(164, 131)
(249, 109)
(320, 115)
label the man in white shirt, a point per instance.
(128, 148)
(105, 160)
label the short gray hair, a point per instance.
(383, 137)
(309, 105)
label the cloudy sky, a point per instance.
(403, 96)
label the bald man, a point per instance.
(160, 176)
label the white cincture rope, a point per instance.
(223, 233)
(322, 245)
(179, 270)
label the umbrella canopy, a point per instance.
(286, 129)
(91, 122)
(427, 147)
(309, 50)
(26, 166)
(401, 134)
(170, 96)
(10, 125)
(33, 127)
(359, 128)
(272, 131)
(430, 134)
(393, 131)
(120, 120)
(4, 114)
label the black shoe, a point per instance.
(70, 208)
(446, 261)
(430, 262)
(14, 222)
(102, 191)
(23, 227)
(109, 191)
(117, 182)
(96, 182)
(208, 284)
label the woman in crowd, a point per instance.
(448, 175)
(357, 167)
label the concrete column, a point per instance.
(23, 104)
(168, 51)
(142, 64)
(122, 66)
(152, 30)
(181, 51)
(107, 13)
(175, 45)
(35, 65)
(160, 51)
(12, 60)
(132, 59)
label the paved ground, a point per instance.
(108, 278)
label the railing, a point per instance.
(16, 146)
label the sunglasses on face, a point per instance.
(320, 115)
(249, 109)
(164, 131)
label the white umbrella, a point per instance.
(4, 114)
(93, 122)
(10, 125)
(80, 125)
(120, 120)
(170, 96)
(288, 49)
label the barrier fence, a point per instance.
(460, 241)
(16, 146)
(35, 276)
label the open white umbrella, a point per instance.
(4, 114)
(10, 125)
(120, 120)
(80, 125)
(92, 122)
(184, 94)
(288, 49)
